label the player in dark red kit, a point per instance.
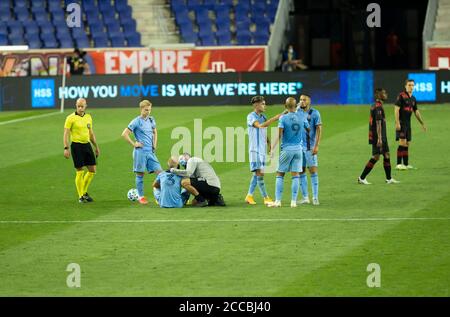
(378, 139)
(405, 105)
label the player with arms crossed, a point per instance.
(291, 128)
(144, 159)
(79, 126)
(310, 149)
(404, 106)
(257, 124)
(378, 139)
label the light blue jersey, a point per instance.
(143, 131)
(294, 125)
(170, 194)
(257, 137)
(313, 118)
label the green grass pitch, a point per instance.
(131, 250)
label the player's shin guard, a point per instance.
(304, 185)
(253, 183)
(315, 185)
(87, 181)
(279, 187)
(368, 168)
(262, 186)
(405, 156)
(140, 185)
(79, 183)
(387, 167)
(294, 187)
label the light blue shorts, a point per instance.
(309, 160)
(145, 161)
(257, 161)
(290, 161)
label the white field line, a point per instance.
(124, 221)
(29, 118)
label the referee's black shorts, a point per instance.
(206, 190)
(82, 154)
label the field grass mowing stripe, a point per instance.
(30, 118)
(217, 220)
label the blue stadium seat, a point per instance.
(117, 40)
(101, 41)
(82, 43)
(3, 28)
(4, 5)
(227, 2)
(16, 39)
(129, 25)
(3, 39)
(32, 30)
(38, 3)
(66, 43)
(222, 10)
(54, 5)
(244, 37)
(20, 4)
(15, 26)
(209, 4)
(113, 28)
(223, 37)
(47, 29)
(23, 15)
(133, 39)
(105, 6)
(188, 35)
(96, 28)
(194, 4)
(261, 38)
(5, 16)
(243, 25)
(38, 10)
(208, 40)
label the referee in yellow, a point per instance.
(79, 126)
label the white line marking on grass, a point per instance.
(214, 220)
(30, 118)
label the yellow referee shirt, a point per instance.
(79, 127)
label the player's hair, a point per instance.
(409, 80)
(290, 103)
(257, 99)
(304, 94)
(378, 92)
(172, 162)
(144, 103)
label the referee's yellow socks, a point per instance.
(87, 181)
(79, 183)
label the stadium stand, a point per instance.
(224, 22)
(42, 24)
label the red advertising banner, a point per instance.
(198, 60)
(439, 58)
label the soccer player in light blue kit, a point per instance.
(167, 188)
(291, 130)
(144, 159)
(257, 124)
(311, 142)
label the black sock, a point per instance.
(405, 155)
(387, 168)
(368, 168)
(399, 154)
